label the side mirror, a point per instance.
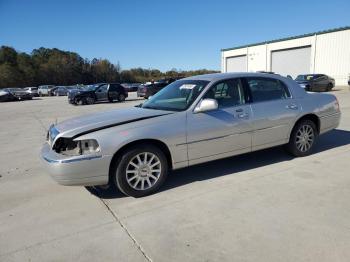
(206, 105)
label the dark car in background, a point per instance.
(63, 90)
(148, 90)
(131, 87)
(315, 82)
(14, 94)
(97, 93)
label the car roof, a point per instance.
(222, 76)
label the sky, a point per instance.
(159, 34)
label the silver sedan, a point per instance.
(191, 121)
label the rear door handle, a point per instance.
(292, 106)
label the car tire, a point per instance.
(78, 102)
(90, 100)
(329, 87)
(121, 97)
(302, 138)
(140, 171)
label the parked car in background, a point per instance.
(151, 89)
(97, 93)
(191, 121)
(131, 87)
(63, 90)
(46, 90)
(315, 82)
(32, 90)
(14, 94)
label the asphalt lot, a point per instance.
(263, 206)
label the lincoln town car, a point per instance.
(191, 121)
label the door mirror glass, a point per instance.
(206, 105)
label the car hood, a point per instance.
(90, 123)
(19, 93)
(75, 92)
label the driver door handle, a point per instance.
(292, 106)
(243, 115)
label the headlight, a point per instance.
(69, 147)
(302, 85)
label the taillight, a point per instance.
(337, 107)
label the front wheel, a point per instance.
(141, 170)
(90, 100)
(329, 87)
(302, 139)
(78, 101)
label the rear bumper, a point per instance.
(76, 171)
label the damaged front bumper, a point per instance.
(82, 170)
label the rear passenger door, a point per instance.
(113, 91)
(274, 110)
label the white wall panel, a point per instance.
(291, 61)
(236, 64)
(329, 54)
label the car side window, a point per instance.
(228, 93)
(102, 88)
(114, 88)
(267, 89)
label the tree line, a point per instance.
(58, 67)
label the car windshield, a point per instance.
(90, 87)
(177, 96)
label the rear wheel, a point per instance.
(329, 87)
(140, 171)
(121, 97)
(302, 139)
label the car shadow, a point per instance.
(231, 165)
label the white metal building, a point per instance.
(325, 52)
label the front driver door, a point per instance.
(101, 93)
(222, 132)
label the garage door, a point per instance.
(291, 61)
(236, 64)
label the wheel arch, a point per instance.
(161, 145)
(311, 116)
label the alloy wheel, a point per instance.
(143, 171)
(305, 137)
